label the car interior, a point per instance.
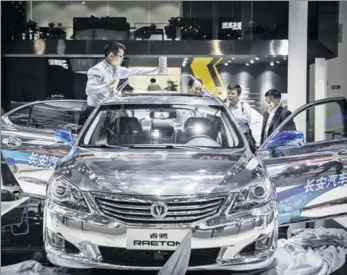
(159, 127)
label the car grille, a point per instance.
(152, 258)
(179, 210)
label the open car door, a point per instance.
(306, 156)
(29, 145)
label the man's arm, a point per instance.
(94, 84)
(126, 72)
(290, 126)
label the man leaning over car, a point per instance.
(103, 78)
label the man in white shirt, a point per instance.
(104, 77)
(241, 111)
(275, 114)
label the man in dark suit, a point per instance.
(275, 115)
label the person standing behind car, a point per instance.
(275, 114)
(104, 77)
(196, 86)
(241, 111)
(153, 86)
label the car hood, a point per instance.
(145, 172)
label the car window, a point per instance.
(310, 130)
(58, 114)
(20, 117)
(319, 122)
(153, 124)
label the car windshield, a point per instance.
(158, 125)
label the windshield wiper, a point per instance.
(103, 146)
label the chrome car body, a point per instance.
(129, 208)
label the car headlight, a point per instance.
(255, 194)
(65, 193)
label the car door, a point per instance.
(311, 175)
(49, 115)
(28, 142)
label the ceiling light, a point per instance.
(272, 63)
(257, 58)
(186, 58)
(183, 65)
(284, 58)
(247, 64)
(225, 64)
(229, 61)
(252, 61)
(277, 62)
(83, 2)
(233, 58)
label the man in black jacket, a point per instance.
(275, 115)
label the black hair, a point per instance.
(113, 47)
(273, 92)
(190, 82)
(236, 87)
(153, 80)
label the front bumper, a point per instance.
(76, 240)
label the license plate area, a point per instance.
(155, 239)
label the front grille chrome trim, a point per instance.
(136, 210)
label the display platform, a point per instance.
(316, 251)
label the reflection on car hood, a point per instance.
(146, 172)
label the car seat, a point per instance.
(197, 126)
(127, 130)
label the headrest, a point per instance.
(200, 126)
(127, 126)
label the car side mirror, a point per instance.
(64, 135)
(285, 138)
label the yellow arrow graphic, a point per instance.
(200, 70)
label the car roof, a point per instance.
(163, 98)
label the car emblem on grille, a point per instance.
(159, 210)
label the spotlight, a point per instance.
(257, 58)
(247, 64)
(252, 61)
(272, 63)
